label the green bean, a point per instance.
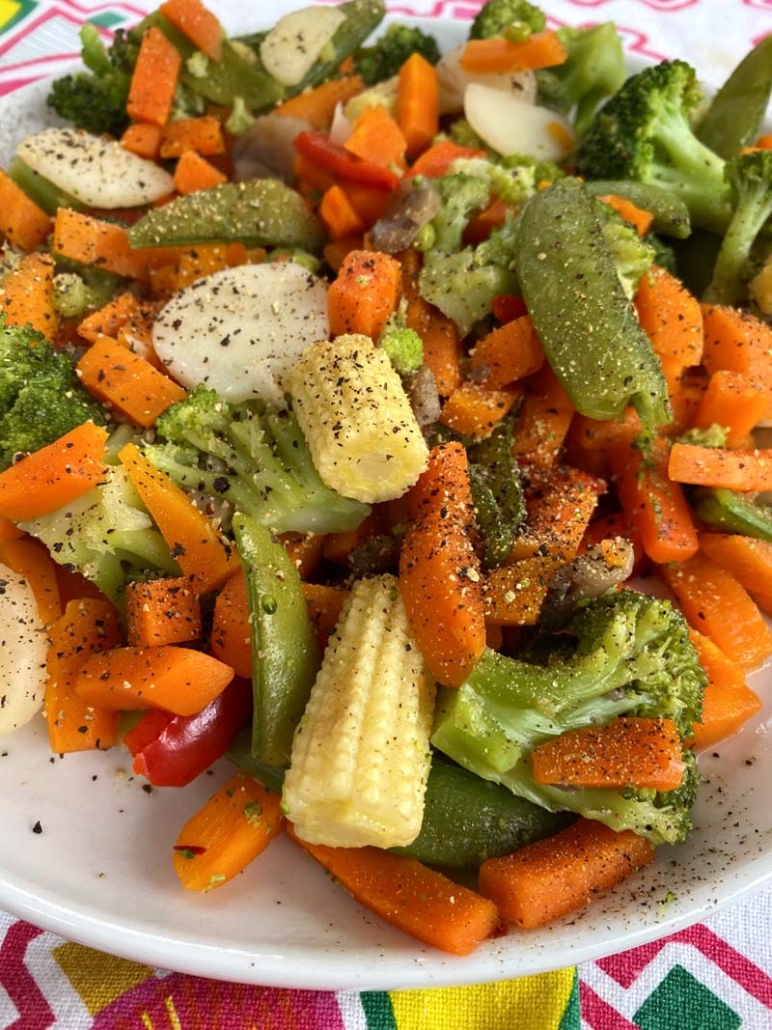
(730, 512)
(589, 331)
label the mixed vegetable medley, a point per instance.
(385, 420)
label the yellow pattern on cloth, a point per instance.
(535, 1002)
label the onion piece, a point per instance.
(240, 330)
(265, 150)
(94, 170)
(23, 653)
(291, 48)
(510, 126)
(453, 81)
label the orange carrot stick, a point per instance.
(543, 420)
(202, 553)
(317, 106)
(175, 679)
(735, 402)
(154, 79)
(364, 293)
(559, 875)
(439, 571)
(475, 409)
(231, 639)
(194, 173)
(672, 319)
(198, 23)
(27, 295)
(203, 134)
(87, 625)
(627, 752)
(508, 353)
(744, 470)
(22, 222)
(32, 560)
(715, 604)
(376, 137)
(636, 216)
(219, 841)
(727, 701)
(497, 54)
(410, 896)
(162, 611)
(417, 109)
(55, 475)
(749, 560)
(112, 373)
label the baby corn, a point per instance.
(364, 438)
(360, 756)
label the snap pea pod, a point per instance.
(284, 653)
(466, 819)
(497, 492)
(671, 215)
(589, 331)
(730, 512)
(259, 213)
(735, 115)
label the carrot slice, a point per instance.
(734, 401)
(475, 409)
(202, 553)
(672, 319)
(86, 625)
(748, 559)
(744, 470)
(231, 639)
(715, 604)
(727, 701)
(154, 79)
(203, 134)
(22, 222)
(32, 560)
(418, 103)
(194, 173)
(233, 827)
(628, 751)
(364, 293)
(507, 353)
(317, 106)
(439, 571)
(410, 896)
(175, 679)
(27, 296)
(162, 611)
(558, 875)
(55, 475)
(497, 54)
(198, 23)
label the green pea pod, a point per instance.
(736, 113)
(284, 653)
(589, 331)
(259, 213)
(730, 512)
(219, 82)
(496, 533)
(468, 819)
(671, 215)
(240, 752)
(497, 492)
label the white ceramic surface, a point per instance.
(99, 871)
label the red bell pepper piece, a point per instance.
(507, 307)
(319, 148)
(171, 750)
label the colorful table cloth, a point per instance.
(716, 975)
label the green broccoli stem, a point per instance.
(696, 174)
(753, 210)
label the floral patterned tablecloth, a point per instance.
(716, 975)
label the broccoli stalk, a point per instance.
(106, 535)
(384, 58)
(593, 70)
(750, 178)
(463, 280)
(41, 397)
(254, 462)
(644, 133)
(631, 655)
(517, 18)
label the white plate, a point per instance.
(100, 872)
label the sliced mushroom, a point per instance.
(407, 213)
(265, 150)
(603, 567)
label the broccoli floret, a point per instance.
(497, 16)
(250, 461)
(644, 133)
(460, 131)
(750, 179)
(404, 347)
(629, 654)
(95, 100)
(106, 535)
(41, 397)
(385, 57)
(463, 280)
(633, 255)
(593, 70)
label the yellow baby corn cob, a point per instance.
(364, 438)
(360, 756)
